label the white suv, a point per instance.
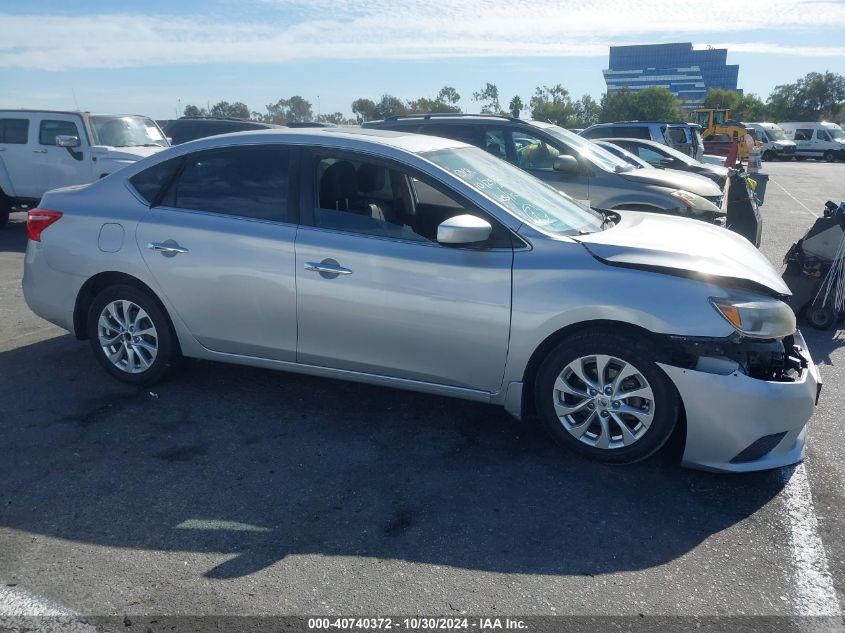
(42, 150)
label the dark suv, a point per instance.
(190, 128)
(572, 164)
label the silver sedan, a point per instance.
(426, 264)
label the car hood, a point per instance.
(683, 246)
(673, 179)
(124, 153)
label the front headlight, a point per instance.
(694, 202)
(767, 318)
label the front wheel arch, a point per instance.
(554, 339)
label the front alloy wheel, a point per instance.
(601, 393)
(603, 402)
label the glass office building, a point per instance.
(686, 72)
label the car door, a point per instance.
(804, 140)
(16, 158)
(61, 166)
(376, 293)
(220, 244)
(535, 154)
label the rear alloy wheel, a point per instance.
(602, 395)
(829, 156)
(131, 336)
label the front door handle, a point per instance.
(39, 151)
(168, 248)
(327, 268)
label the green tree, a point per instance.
(293, 110)
(516, 106)
(335, 117)
(236, 110)
(815, 96)
(586, 112)
(552, 104)
(449, 96)
(488, 97)
(718, 98)
(743, 107)
(620, 105)
(658, 104)
(364, 110)
(192, 110)
(389, 106)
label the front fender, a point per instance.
(559, 284)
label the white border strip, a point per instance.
(813, 593)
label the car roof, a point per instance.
(628, 139)
(76, 112)
(348, 138)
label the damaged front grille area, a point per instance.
(778, 360)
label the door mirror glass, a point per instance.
(67, 141)
(463, 229)
(566, 164)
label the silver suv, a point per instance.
(423, 263)
(682, 136)
(573, 164)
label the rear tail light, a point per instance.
(39, 219)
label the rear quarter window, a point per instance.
(632, 131)
(151, 182)
(14, 131)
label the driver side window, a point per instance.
(533, 153)
(371, 198)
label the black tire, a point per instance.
(768, 155)
(821, 317)
(168, 355)
(5, 209)
(829, 156)
(630, 349)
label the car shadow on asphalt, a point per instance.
(823, 343)
(261, 464)
(13, 235)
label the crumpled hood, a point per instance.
(673, 179)
(649, 240)
(104, 152)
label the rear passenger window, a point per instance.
(150, 182)
(632, 131)
(248, 182)
(51, 129)
(14, 131)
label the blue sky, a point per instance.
(151, 57)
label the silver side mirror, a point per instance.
(67, 141)
(566, 164)
(463, 229)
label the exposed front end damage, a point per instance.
(746, 401)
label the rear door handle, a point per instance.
(168, 248)
(39, 151)
(327, 268)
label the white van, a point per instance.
(42, 150)
(773, 138)
(816, 140)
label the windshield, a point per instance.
(775, 134)
(126, 131)
(589, 150)
(671, 151)
(836, 132)
(527, 198)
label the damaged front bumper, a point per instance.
(747, 403)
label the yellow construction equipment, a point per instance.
(718, 127)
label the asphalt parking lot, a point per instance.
(231, 490)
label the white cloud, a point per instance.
(378, 29)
